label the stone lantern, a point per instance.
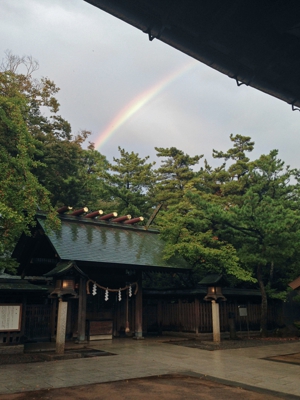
(64, 276)
(214, 294)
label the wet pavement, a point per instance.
(243, 367)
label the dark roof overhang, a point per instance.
(257, 43)
(213, 280)
(201, 292)
(63, 268)
(15, 286)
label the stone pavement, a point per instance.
(141, 358)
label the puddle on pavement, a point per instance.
(85, 352)
(286, 358)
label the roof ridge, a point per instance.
(89, 221)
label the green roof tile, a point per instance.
(20, 286)
(63, 268)
(100, 242)
(212, 280)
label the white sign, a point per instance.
(243, 311)
(10, 317)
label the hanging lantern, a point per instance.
(64, 287)
(214, 293)
(214, 283)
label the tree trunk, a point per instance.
(264, 303)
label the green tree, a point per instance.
(41, 163)
(175, 172)
(20, 192)
(233, 180)
(257, 211)
(128, 183)
(265, 225)
(93, 166)
(192, 233)
(183, 223)
(242, 220)
(64, 168)
(70, 173)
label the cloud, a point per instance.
(101, 64)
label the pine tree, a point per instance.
(128, 182)
(183, 223)
(175, 172)
(257, 211)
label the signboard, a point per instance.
(242, 311)
(10, 317)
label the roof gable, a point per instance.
(86, 241)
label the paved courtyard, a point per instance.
(246, 367)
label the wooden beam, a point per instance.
(81, 336)
(139, 308)
(53, 319)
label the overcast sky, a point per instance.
(140, 94)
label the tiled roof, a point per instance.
(63, 268)
(82, 240)
(20, 285)
(212, 279)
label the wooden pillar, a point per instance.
(114, 317)
(196, 315)
(115, 320)
(127, 325)
(139, 308)
(53, 319)
(179, 315)
(216, 321)
(61, 326)
(82, 310)
(132, 313)
(23, 310)
(159, 316)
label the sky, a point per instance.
(140, 94)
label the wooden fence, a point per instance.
(196, 316)
(159, 315)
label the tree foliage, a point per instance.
(257, 211)
(128, 182)
(240, 219)
(192, 233)
(184, 224)
(42, 164)
(70, 173)
(175, 172)
(20, 192)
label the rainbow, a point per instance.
(139, 101)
